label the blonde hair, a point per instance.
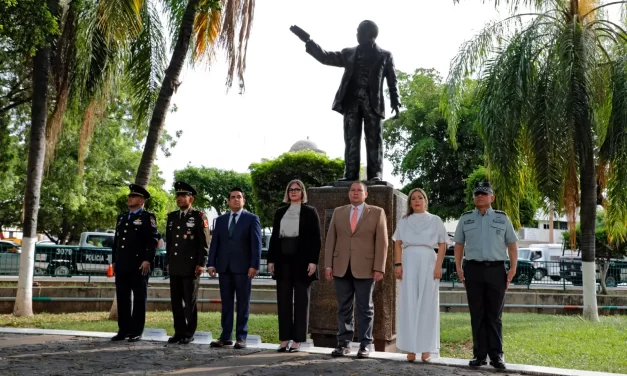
(303, 191)
(410, 210)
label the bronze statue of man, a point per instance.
(360, 96)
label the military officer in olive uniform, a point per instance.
(134, 247)
(187, 247)
(488, 238)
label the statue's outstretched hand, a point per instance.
(300, 33)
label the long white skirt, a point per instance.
(418, 328)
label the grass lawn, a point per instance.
(546, 340)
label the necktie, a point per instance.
(354, 218)
(232, 225)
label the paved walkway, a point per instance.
(22, 354)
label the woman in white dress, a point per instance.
(419, 269)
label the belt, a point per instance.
(486, 263)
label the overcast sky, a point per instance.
(289, 94)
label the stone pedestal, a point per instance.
(323, 311)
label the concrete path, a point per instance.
(64, 352)
(24, 354)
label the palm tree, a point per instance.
(81, 63)
(553, 101)
(201, 25)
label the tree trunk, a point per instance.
(34, 174)
(587, 217)
(162, 105)
(551, 219)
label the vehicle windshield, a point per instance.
(100, 240)
(523, 253)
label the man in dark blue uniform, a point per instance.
(187, 246)
(488, 239)
(134, 247)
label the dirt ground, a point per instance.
(63, 355)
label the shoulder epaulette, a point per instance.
(500, 212)
(468, 212)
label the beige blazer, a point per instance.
(366, 248)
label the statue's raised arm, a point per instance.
(300, 33)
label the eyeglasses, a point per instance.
(294, 190)
(481, 193)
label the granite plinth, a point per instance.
(347, 183)
(323, 311)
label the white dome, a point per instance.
(306, 145)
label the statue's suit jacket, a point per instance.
(382, 68)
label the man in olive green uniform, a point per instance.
(488, 238)
(187, 246)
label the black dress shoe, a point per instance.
(295, 349)
(498, 364)
(363, 353)
(477, 362)
(281, 349)
(239, 344)
(119, 337)
(174, 339)
(340, 351)
(186, 340)
(134, 338)
(221, 343)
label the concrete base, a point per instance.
(323, 311)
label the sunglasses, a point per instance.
(481, 194)
(294, 190)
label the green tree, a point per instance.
(417, 143)
(201, 26)
(528, 203)
(214, 185)
(553, 99)
(270, 177)
(72, 203)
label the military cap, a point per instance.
(182, 187)
(483, 187)
(138, 190)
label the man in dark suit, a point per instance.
(360, 96)
(235, 253)
(134, 247)
(187, 245)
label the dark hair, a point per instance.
(237, 189)
(371, 26)
(360, 183)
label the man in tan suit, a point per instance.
(354, 257)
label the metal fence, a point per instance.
(68, 261)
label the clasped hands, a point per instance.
(311, 269)
(377, 276)
(437, 271)
(252, 272)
